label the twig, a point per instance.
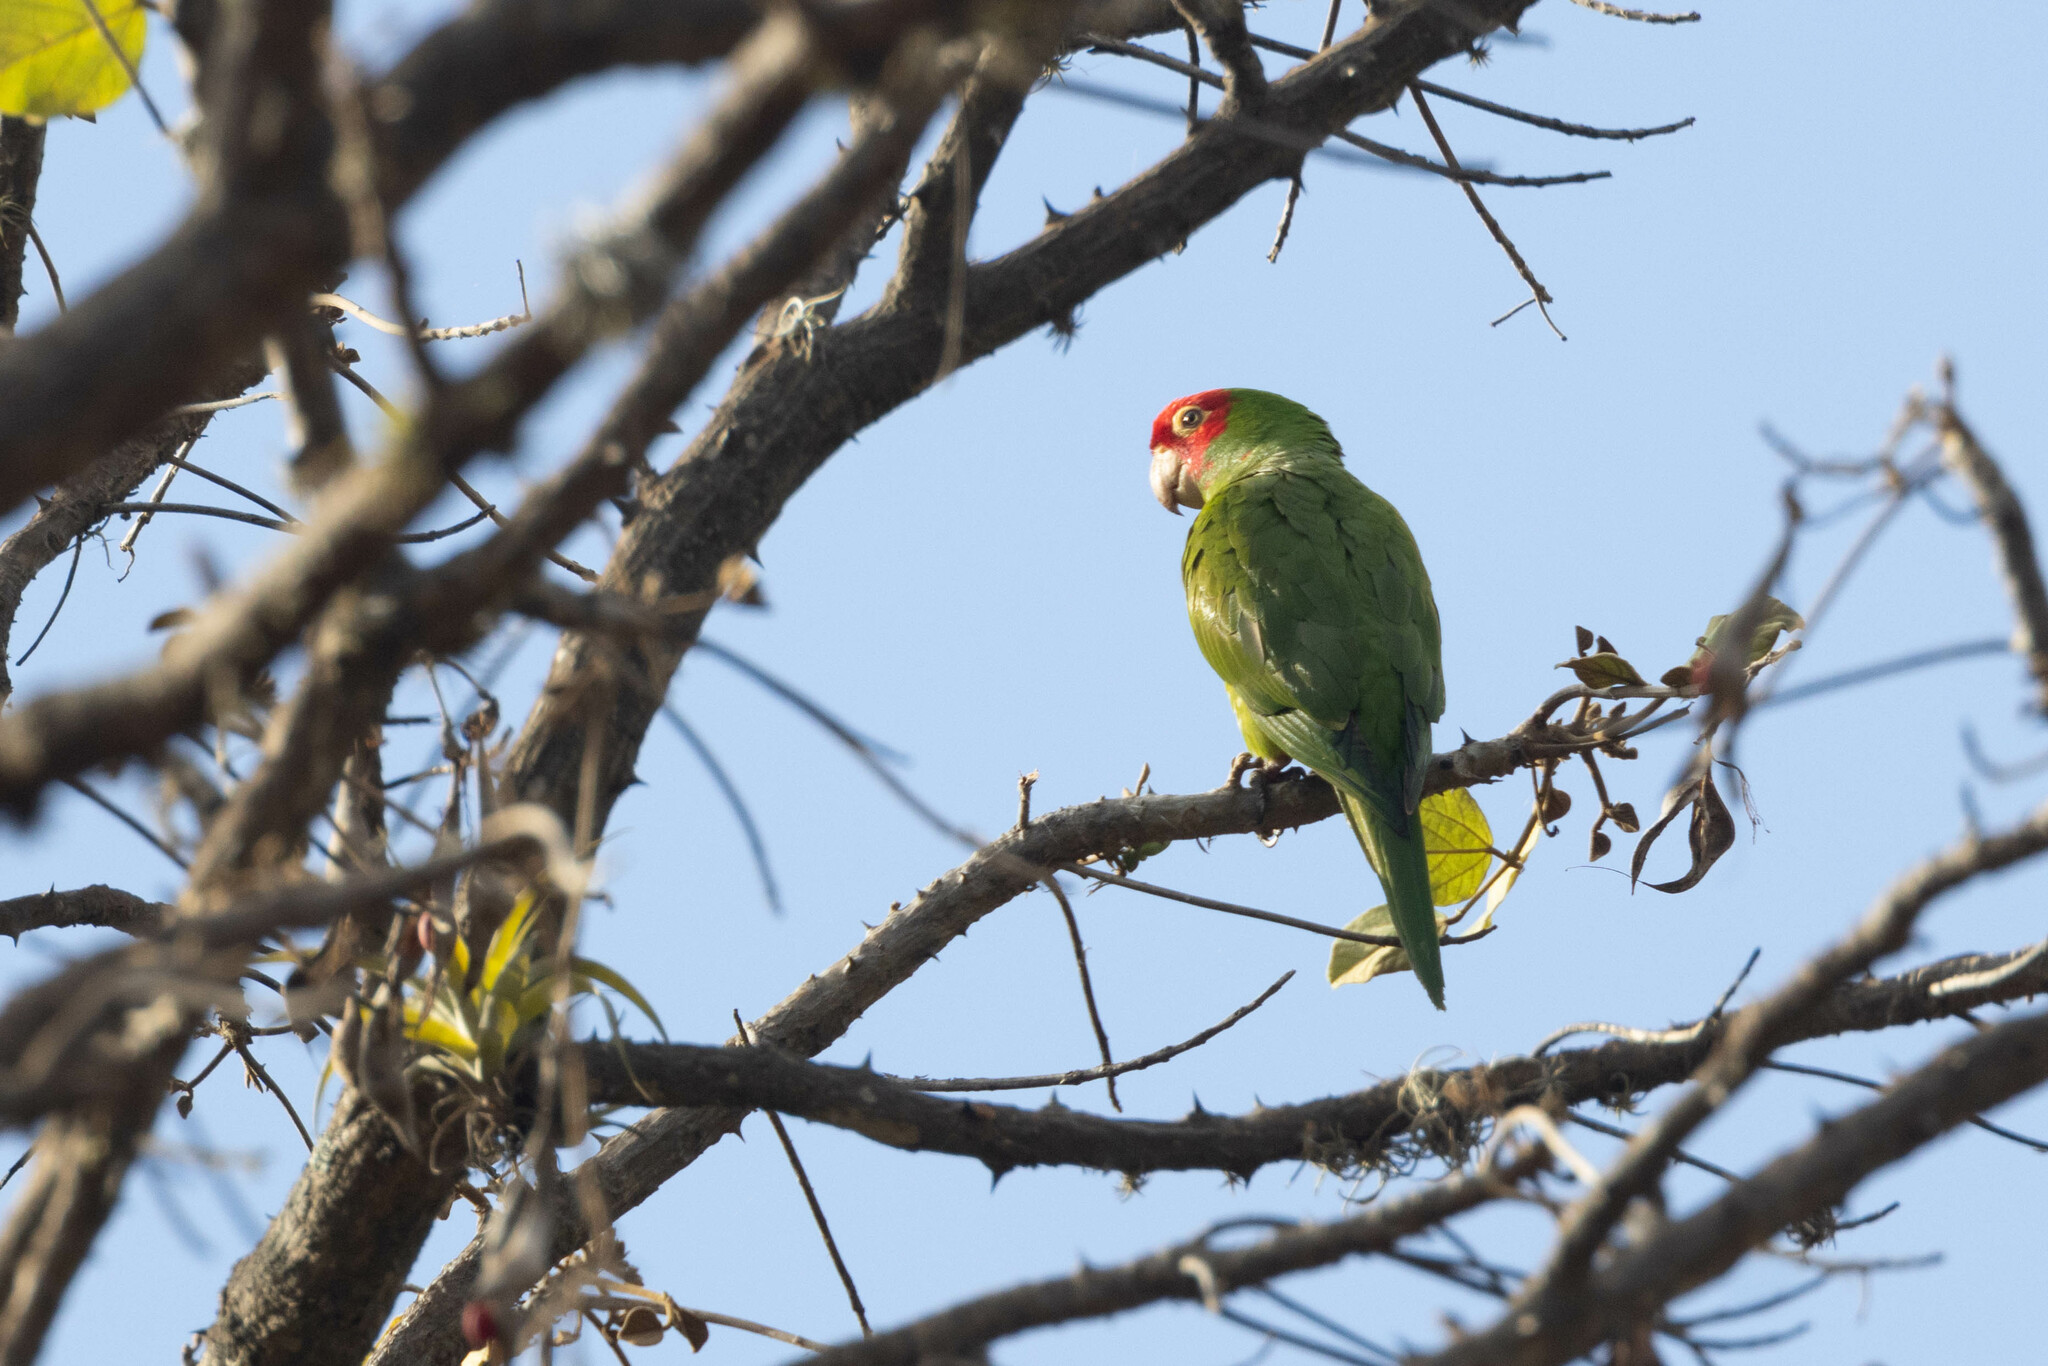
(1538, 293)
(86, 790)
(441, 533)
(231, 486)
(49, 266)
(199, 510)
(1830, 1074)
(77, 549)
(864, 749)
(1377, 150)
(1639, 15)
(1577, 130)
(156, 495)
(1094, 1292)
(2005, 519)
(483, 329)
(555, 557)
(1087, 1074)
(811, 1198)
(1087, 989)
(1221, 24)
(1678, 1034)
(134, 76)
(723, 781)
(1601, 1126)
(1293, 181)
(1324, 1322)
(1849, 678)
(1384, 941)
(270, 1083)
(1296, 1340)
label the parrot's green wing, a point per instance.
(1308, 597)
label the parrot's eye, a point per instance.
(1189, 418)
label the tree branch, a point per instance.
(99, 905)
(1424, 1111)
(1977, 1074)
(2006, 520)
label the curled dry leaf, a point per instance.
(1712, 834)
(641, 1327)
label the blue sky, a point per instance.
(984, 582)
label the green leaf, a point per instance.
(54, 59)
(1352, 962)
(1604, 670)
(1776, 618)
(619, 984)
(1459, 843)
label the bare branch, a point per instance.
(99, 905)
(1221, 24)
(1194, 1270)
(2013, 539)
(1975, 1075)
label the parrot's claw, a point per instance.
(1241, 765)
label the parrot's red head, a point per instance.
(1180, 446)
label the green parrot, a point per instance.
(1308, 597)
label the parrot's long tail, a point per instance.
(1403, 869)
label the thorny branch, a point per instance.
(97, 401)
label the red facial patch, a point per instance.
(1191, 444)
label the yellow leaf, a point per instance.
(508, 941)
(1352, 962)
(438, 1033)
(1459, 842)
(54, 59)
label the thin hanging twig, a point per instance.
(77, 549)
(86, 790)
(1082, 1075)
(1087, 991)
(1538, 294)
(867, 751)
(134, 76)
(811, 1198)
(755, 844)
(1294, 181)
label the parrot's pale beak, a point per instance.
(1171, 484)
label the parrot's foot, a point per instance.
(1260, 771)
